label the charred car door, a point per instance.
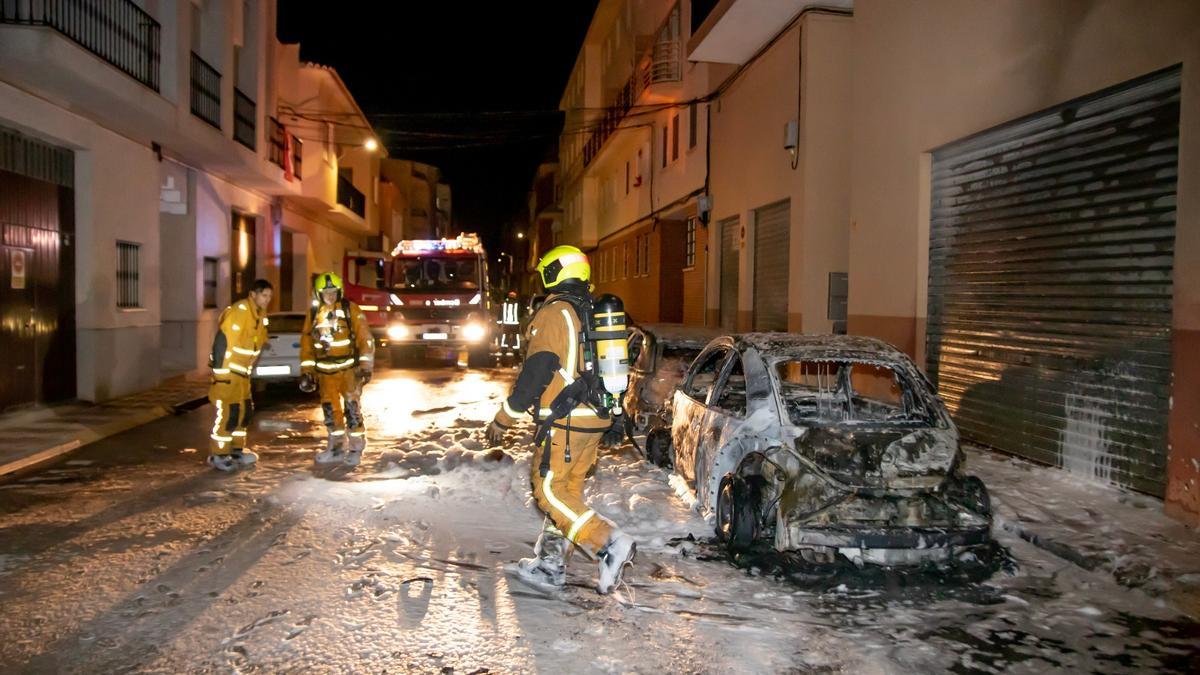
(720, 444)
(690, 407)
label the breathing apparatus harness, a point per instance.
(324, 337)
(604, 377)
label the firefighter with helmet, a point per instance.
(337, 356)
(575, 369)
(510, 324)
(241, 334)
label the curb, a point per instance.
(1051, 546)
(89, 436)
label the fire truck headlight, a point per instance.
(474, 332)
(397, 332)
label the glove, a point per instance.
(615, 435)
(495, 434)
(308, 384)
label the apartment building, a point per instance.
(147, 177)
(633, 157)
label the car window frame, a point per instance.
(723, 379)
(686, 386)
(933, 417)
(633, 361)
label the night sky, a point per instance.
(471, 87)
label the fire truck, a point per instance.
(439, 301)
(365, 274)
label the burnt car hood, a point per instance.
(881, 458)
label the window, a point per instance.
(844, 391)
(674, 137)
(731, 397)
(704, 375)
(210, 282)
(625, 260)
(692, 131)
(642, 261)
(127, 275)
(664, 147)
(689, 244)
(626, 177)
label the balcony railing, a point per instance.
(117, 31)
(278, 150)
(350, 197)
(206, 91)
(244, 119)
(662, 64)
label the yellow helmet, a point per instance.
(561, 263)
(326, 281)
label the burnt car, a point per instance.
(829, 446)
(659, 355)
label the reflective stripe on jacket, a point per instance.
(241, 334)
(327, 343)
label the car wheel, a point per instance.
(658, 449)
(737, 517)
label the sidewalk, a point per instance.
(1097, 527)
(39, 435)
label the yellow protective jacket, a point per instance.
(554, 358)
(336, 337)
(241, 334)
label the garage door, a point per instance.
(1051, 253)
(730, 234)
(771, 234)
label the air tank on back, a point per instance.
(612, 350)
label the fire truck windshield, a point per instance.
(436, 274)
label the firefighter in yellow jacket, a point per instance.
(337, 355)
(241, 334)
(561, 383)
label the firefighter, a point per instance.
(560, 381)
(241, 334)
(510, 324)
(337, 356)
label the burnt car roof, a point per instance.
(681, 335)
(797, 345)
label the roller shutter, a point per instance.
(772, 227)
(729, 272)
(1051, 255)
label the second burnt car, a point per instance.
(659, 355)
(829, 446)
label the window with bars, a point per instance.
(689, 244)
(210, 282)
(625, 260)
(692, 131)
(128, 295)
(664, 146)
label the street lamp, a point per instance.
(520, 235)
(371, 145)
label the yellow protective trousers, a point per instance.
(340, 394)
(230, 395)
(559, 493)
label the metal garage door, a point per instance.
(1051, 251)
(772, 227)
(730, 233)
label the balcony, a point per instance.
(206, 91)
(244, 119)
(117, 31)
(660, 63)
(351, 197)
(732, 31)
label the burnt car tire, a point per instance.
(737, 513)
(973, 494)
(658, 449)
